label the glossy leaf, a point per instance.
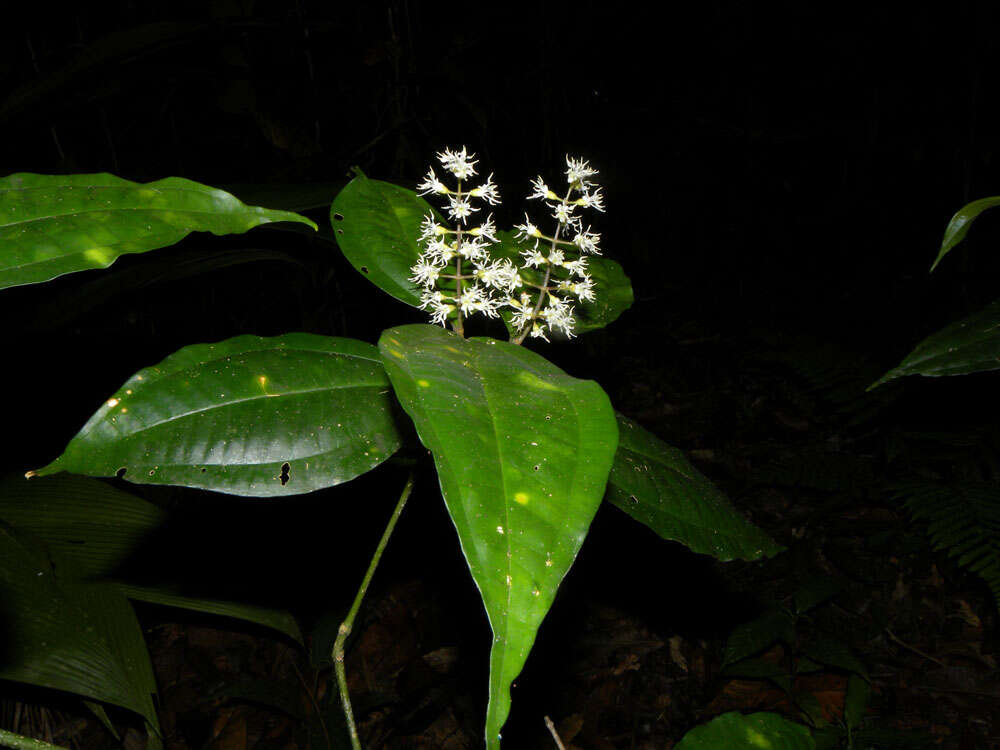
(959, 225)
(247, 416)
(970, 345)
(522, 452)
(51, 225)
(65, 634)
(100, 528)
(735, 731)
(377, 225)
(656, 485)
(612, 288)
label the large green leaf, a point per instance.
(62, 633)
(100, 528)
(656, 485)
(969, 345)
(959, 225)
(248, 416)
(760, 731)
(522, 452)
(377, 225)
(51, 225)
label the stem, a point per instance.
(16, 741)
(459, 327)
(348, 624)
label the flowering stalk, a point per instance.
(565, 264)
(475, 279)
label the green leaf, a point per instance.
(969, 345)
(248, 416)
(613, 295)
(756, 635)
(959, 225)
(522, 452)
(52, 225)
(68, 635)
(378, 226)
(100, 528)
(735, 731)
(656, 485)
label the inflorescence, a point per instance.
(460, 276)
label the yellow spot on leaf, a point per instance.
(101, 256)
(533, 381)
(499, 529)
(394, 353)
(112, 403)
(423, 383)
(757, 739)
(521, 498)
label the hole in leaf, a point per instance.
(203, 469)
(633, 498)
(285, 468)
(338, 217)
(537, 467)
(364, 269)
(120, 474)
(340, 231)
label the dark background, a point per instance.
(772, 171)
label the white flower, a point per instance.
(578, 172)
(473, 248)
(583, 289)
(432, 184)
(459, 163)
(440, 306)
(587, 241)
(460, 208)
(541, 190)
(438, 251)
(593, 199)
(429, 228)
(425, 273)
(477, 299)
(533, 258)
(488, 230)
(487, 191)
(537, 332)
(563, 213)
(521, 317)
(556, 257)
(558, 314)
(499, 274)
(576, 267)
(527, 229)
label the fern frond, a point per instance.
(962, 520)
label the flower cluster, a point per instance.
(455, 269)
(459, 277)
(561, 258)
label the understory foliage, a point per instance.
(525, 453)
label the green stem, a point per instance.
(16, 741)
(348, 624)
